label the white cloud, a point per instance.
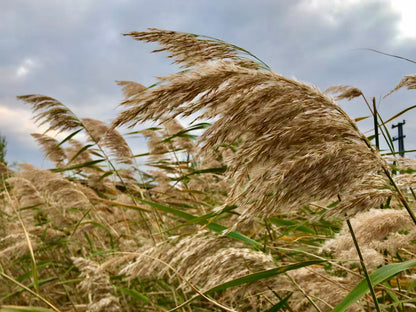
(329, 10)
(19, 124)
(25, 67)
(407, 25)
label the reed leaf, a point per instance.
(377, 277)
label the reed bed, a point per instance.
(243, 209)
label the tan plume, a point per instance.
(344, 92)
(297, 145)
(52, 112)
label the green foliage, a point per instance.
(3, 149)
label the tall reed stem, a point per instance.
(370, 285)
(401, 196)
(375, 124)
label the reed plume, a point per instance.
(409, 82)
(205, 261)
(52, 112)
(379, 232)
(189, 49)
(326, 290)
(130, 88)
(344, 92)
(297, 145)
(108, 138)
(51, 148)
(96, 285)
(25, 192)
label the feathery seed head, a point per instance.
(297, 144)
(130, 88)
(52, 112)
(51, 148)
(190, 50)
(96, 284)
(110, 138)
(344, 92)
(408, 81)
(377, 230)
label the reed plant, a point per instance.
(269, 198)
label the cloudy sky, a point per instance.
(73, 50)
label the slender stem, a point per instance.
(303, 293)
(382, 125)
(375, 123)
(413, 192)
(370, 285)
(402, 198)
(392, 55)
(400, 195)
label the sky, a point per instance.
(74, 51)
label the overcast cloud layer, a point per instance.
(73, 50)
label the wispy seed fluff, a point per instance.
(297, 144)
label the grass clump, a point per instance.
(242, 210)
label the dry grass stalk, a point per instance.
(4, 170)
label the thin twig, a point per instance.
(303, 292)
(388, 54)
(370, 285)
